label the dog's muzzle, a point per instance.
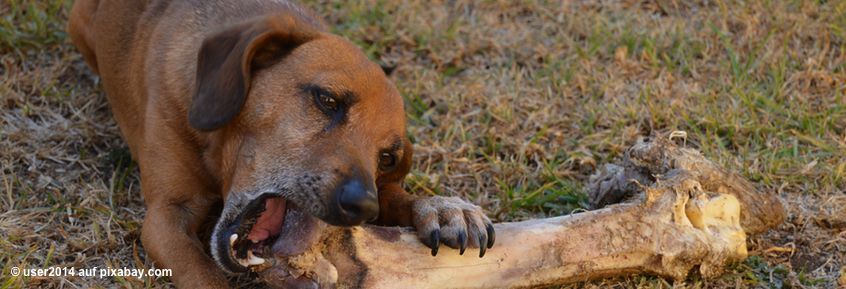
(246, 230)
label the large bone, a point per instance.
(673, 223)
(652, 157)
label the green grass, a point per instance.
(31, 25)
(511, 104)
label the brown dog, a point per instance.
(253, 104)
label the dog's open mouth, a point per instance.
(251, 237)
(247, 240)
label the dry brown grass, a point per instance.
(512, 105)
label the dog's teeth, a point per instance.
(253, 259)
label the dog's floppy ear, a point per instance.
(227, 59)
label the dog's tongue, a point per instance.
(270, 221)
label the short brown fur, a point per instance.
(208, 97)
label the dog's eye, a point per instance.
(327, 102)
(387, 161)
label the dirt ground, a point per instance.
(512, 105)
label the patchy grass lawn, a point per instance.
(512, 104)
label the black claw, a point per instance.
(482, 241)
(462, 241)
(491, 235)
(435, 241)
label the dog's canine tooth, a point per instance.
(232, 240)
(253, 259)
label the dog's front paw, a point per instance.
(454, 222)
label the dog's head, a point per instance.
(303, 119)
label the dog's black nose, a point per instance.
(357, 203)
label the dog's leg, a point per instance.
(172, 245)
(81, 29)
(395, 206)
(449, 220)
(178, 201)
